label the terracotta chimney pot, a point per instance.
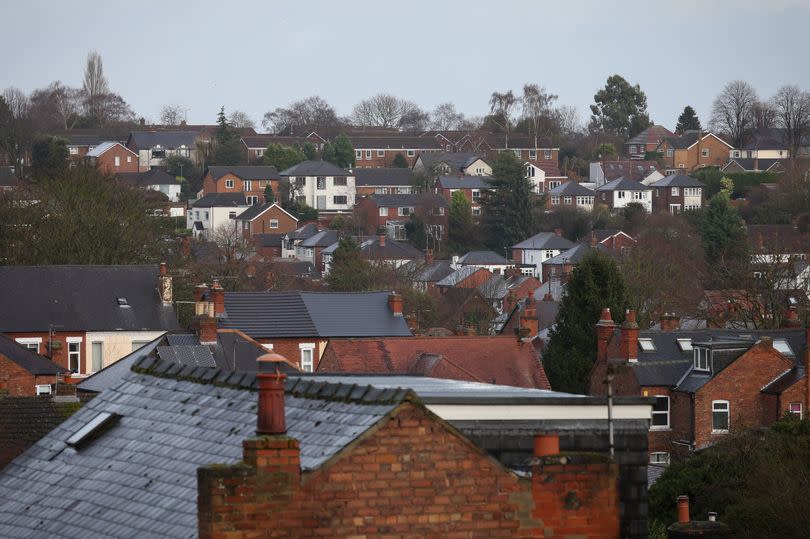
(270, 416)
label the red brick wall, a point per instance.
(59, 356)
(410, 476)
(795, 393)
(106, 162)
(256, 187)
(290, 350)
(261, 225)
(618, 241)
(18, 382)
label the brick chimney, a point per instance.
(630, 336)
(558, 231)
(207, 329)
(395, 303)
(428, 256)
(200, 303)
(381, 239)
(270, 415)
(791, 319)
(683, 509)
(604, 332)
(546, 444)
(593, 241)
(164, 284)
(670, 322)
(528, 317)
(218, 298)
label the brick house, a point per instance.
(739, 164)
(255, 145)
(312, 248)
(392, 212)
(693, 150)
(544, 176)
(299, 325)
(539, 248)
(559, 267)
(379, 151)
(617, 194)
(112, 158)
(571, 195)
(250, 181)
(265, 219)
(678, 193)
(524, 147)
(471, 186)
(504, 292)
(86, 317)
(464, 277)
(707, 383)
(616, 241)
(647, 141)
(25, 373)
(383, 181)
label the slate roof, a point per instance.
(428, 273)
(324, 238)
(169, 140)
(455, 160)
(497, 287)
(83, 298)
(483, 258)
(408, 201)
(315, 168)
(459, 275)
(312, 314)
(392, 250)
(468, 358)
(751, 165)
(652, 135)
(635, 170)
(786, 380)
(139, 476)
(257, 209)
(571, 189)
(464, 182)
(575, 254)
(367, 177)
(678, 180)
(545, 240)
(623, 184)
(220, 200)
(382, 142)
(269, 240)
(246, 172)
(27, 359)
(153, 176)
(262, 141)
(102, 148)
(303, 232)
(684, 141)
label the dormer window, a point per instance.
(646, 345)
(685, 345)
(702, 358)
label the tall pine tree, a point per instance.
(687, 121)
(507, 205)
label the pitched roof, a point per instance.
(104, 147)
(459, 275)
(140, 474)
(382, 142)
(324, 238)
(468, 358)
(315, 168)
(257, 209)
(169, 140)
(652, 135)
(464, 182)
(623, 184)
(366, 177)
(27, 359)
(390, 250)
(575, 254)
(545, 240)
(678, 180)
(304, 232)
(312, 314)
(154, 176)
(83, 298)
(635, 170)
(246, 172)
(684, 141)
(408, 201)
(455, 160)
(262, 141)
(483, 258)
(551, 169)
(752, 165)
(269, 240)
(571, 189)
(219, 200)
(428, 273)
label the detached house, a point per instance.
(393, 212)
(471, 186)
(539, 248)
(544, 176)
(678, 193)
(153, 147)
(265, 219)
(312, 248)
(571, 195)
(646, 142)
(155, 180)
(559, 268)
(321, 185)
(112, 158)
(214, 211)
(621, 192)
(602, 172)
(250, 181)
(450, 163)
(692, 150)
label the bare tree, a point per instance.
(95, 84)
(232, 246)
(240, 119)
(311, 112)
(536, 105)
(568, 120)
(54, 107)
(791, 106)
(502, 110)
(172, 114)
(446, 117)
(733, 109)
(763, 116)
(415, 119)
(18, 102)
(385, 110)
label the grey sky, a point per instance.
(255, 56)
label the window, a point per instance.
(245, 225)
(339, 181)
(441, 211)
(659, 457)
(307, 354)
(532, 154)
(404, 212)
(517, 153)
(646, 345)
(639, 195)
(782, 346)
(117, 160)
(681, 165)
(383, 212)
(720, 416)
(547, 155)
(368, 154)
(674, 191)
(660, 413)
(476, 211)
(74, 356)
(632, 149)
(685, 345)
(702, 357)
(670, 152)
(476, 195)
(197, 215)
(259, 153)
(129, 159)
(620, 194)
(252, 200)
(231, 215)
(205, 215)
(549, 254)
(300, 181)
(321, 183)
(73, 150)
(691, 191)
(529, 171)
(674, 209)
(411, 153)
(273, 223)
(340, 199)
(380, 153)
(735, 153)
(796, 408)
(228, 184)
(247, 185)
(479, 171)
(32, 343)
(358, 155)
(43, 389)
(567, 200)
(704, 152)
(97, 354)
(555, 200)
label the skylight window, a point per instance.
(782, 346)
(122, 302)
(685, 345)
(646, 345)
(91, 429)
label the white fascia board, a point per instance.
(489, 412)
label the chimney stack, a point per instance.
(791, 319)
(270, 416)
(165, 284)
(604, 332)
(207, 332)
(428, 256)
(558, 231)
(528, 318)
(218, 298)
(683, 509)
(630, 336)
(593, 239)
(200, 307)
(395, 303)
(381, 238)
(670, 322)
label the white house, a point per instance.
(214, 210)
(621, 192)
(155, 180)
(321, 185)
(153, 147)
(539, 248)
(543, 180)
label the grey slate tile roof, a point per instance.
(27, 359)
(623, 184)
(651, 135)
(428, 273)
(195, 355)
(392, 250)
(457, 276)
(153, 176)
(545, 240)
(684, 141)
(571, 189)
(139, 477)
(750, 164)
(483, 258)
(575, 254)
(365, 177)
(304, 232)
(455, 160)
(678, 180)
(212, 200)
(83, 298)
(246, 172)
(464, 182)
(169, 140)
(312, 314)
(324, 238)
(269, 240)
(315, 168)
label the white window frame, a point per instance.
(795, 408)
(410, 153)
(231, 215)
(555, 200)
(358, 155)
(368, 154)
(320, 183)
(92, 344)
(659, 457)
(383, 212)
(307, 366)
(28, 341)
(252, 200)
(701, 359)
(118, 160)
(476, 195)
(704, 152)
(228, 184)
(380, 153)
(727, 410)
(532, 154)
(567, 199)
(476, 210)
(404, 211)
(340, 181)
(77, 354)
(661, 413)
(676, 191)
(547, 155)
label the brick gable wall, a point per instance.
(18, 382)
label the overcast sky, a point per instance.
(255, 56)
